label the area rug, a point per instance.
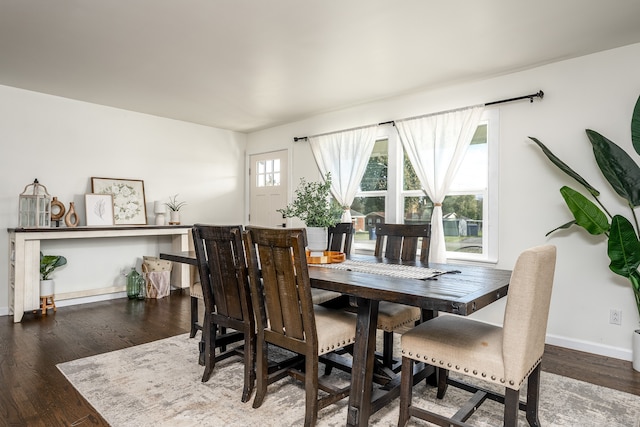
(158, 384)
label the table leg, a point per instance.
(359, 408)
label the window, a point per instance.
(268, 173)
(391, 192)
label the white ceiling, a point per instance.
(246, 65)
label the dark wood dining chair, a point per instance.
(399, 242)
(501, 355)
(286, 316)
(224, 278)
(339, 238)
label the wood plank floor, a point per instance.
(34, 393)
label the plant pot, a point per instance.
(636, 350)
(47, 288)
(317, 240)
(174, 217)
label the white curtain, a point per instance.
(345, 155)
(435, 145)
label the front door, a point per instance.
(269, 178)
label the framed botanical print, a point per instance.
(128, 199)
(99, 209)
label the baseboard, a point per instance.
(88, 299)
(590, 347)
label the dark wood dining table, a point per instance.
(462, 290)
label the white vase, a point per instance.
(317, 240)
(47, 288)
(636, 350)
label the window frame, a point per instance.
(395, 194)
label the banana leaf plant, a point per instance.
(623, 174)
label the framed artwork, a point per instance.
(99, 209)
(128, 199)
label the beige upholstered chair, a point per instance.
(286, 316)
(399, 242)
(340, 237)
(195, 290)
(505, 356)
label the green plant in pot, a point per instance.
(623, 173)
(313, 205)
(48, 264)
(174, 209)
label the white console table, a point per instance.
(24, 256)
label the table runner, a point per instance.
(393, 270)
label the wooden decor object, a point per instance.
(71, 219)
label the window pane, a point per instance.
(260, 167)
(409, 178)
(276, 165)
(462, 219)
(417, 210)
(474, 171)
(276, 179)
(260, 181)
(269, 166)
(375, 176)
(367, 212)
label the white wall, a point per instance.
(64, 143)
(597, 91)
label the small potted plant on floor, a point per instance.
(174, 209)
(313, 205)
(48, 263)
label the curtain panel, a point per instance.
(345, 156)
(435, 145)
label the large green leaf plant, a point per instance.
(623, 173)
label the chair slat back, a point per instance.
(340, 237)
(223, 272)
(527, 310)
(283, 296)
(400, 241)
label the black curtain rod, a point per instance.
(539, 94)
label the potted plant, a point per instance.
(623, 173)
(174, 209)
(48, 263)
(312, 204)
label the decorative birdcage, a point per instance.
(34, 208)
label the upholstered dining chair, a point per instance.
(505, 356)
(225, 287)
(286, 316)
(399, 242)
(339, 239)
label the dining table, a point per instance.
(435, 288)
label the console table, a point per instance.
(24, 256)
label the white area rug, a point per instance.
(158, 384)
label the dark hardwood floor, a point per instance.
(34, 393)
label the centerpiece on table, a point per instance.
(623, 173)
(313, 205)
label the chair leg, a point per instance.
(511, 403)
(261, 372)
(406, 385)
(249, 370)
(533, 394)
(443, 375)
(311, 391)
(194, 317)
(209, 332)
(387, 349)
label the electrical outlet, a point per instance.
(615, 316)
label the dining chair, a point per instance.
(339, 238)
(223, 273)
(502, 355)
(286, 316)
(399, 242)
